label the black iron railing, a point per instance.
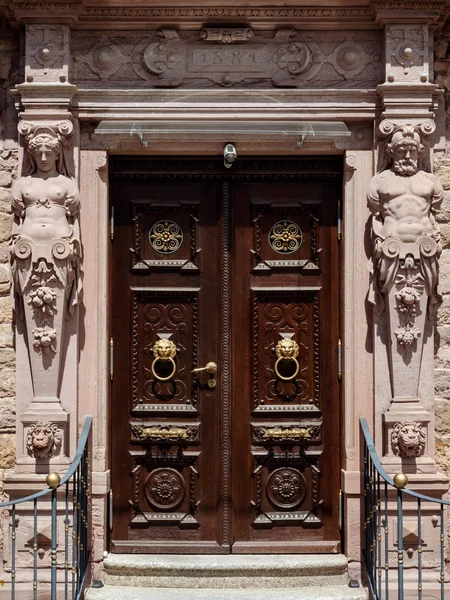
(385, 500)
(58, 568)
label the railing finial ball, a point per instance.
(400, 481)
(53, 480)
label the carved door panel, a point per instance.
(165, 449)
(239, 268)
(285, 385)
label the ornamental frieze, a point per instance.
(227, 57)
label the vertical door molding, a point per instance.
(94, 332)
(357, 336)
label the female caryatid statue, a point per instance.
(46, 250)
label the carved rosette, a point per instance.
(46, 249)
(286, 488)
(408, 439)
(43, 440)
(165, 489)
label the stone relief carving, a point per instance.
(46, 248)
(407, 53)
(47, 55)
(404, 200)
(408, 439)
(43, 439)
(228, 56)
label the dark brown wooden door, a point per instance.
(238, 268)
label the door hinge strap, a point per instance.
(111, 223)
(339, 360)
(339, 221)
(111, 359)
(341, 510)
(110, 511)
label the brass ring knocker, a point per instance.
(287, 349)
(165, 351)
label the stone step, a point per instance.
(225, 571)
(338, 592)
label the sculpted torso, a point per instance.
(44, 206)
(405, 204)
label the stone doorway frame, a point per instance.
(94, 377)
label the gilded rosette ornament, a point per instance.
(406, 247)
(46, 249)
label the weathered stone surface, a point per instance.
(442, 357)
(7, 382)
(442, 170)
(7, 451)
(5, 226)
(444, 265)
(442, 408)
(6, 336)
(443, 316)
(445, 235)
(7, 415)
(5, 179)
(442, 383)
(443, 216)
(4, 273)
(5, 200)
(5, 312)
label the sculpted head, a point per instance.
(45, 148)
(405, 148)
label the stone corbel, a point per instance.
(404, 197)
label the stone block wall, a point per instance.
(9, 74)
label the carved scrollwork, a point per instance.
(43, 439)
(285, 433)
(408, 439)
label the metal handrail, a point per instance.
(72, 515)
(382, 472)
(383, 555)
(73, 467)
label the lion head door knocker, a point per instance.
(164, 351)
(287, 351)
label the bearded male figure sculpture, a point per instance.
(406, 247)
(45, 251)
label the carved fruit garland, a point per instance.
(408, 299)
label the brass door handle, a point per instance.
(164, 350)
(287, 350)
(211, 368)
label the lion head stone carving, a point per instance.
(43, 439)
(408, 439)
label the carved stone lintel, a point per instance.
(47, 53)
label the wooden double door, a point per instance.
(225, 325)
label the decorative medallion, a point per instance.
(285, 237)
(166, 237)
(286, 488)
(165, 489)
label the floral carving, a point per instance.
(165, 489)
(43, 439)
(166, 237)
(44, 339)
(286, 488)
(408, 439)
(285, 237)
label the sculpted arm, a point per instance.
(17, 202)
(373, 198)
(72, 199)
